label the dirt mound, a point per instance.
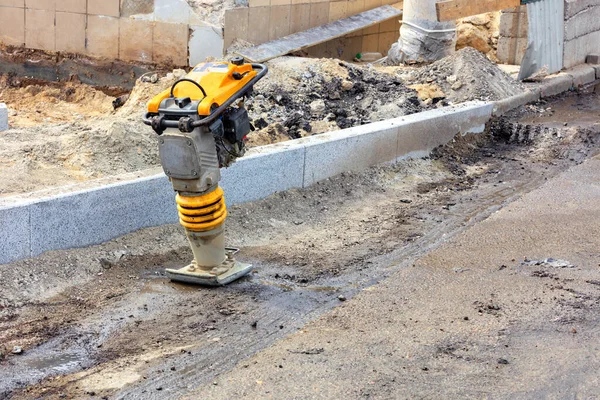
(142, 93)
(466, 75)
(303, 96)
(33, 158)
(31, 102)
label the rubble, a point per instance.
(68, 132)
(466, 75)
(326, 95)
(480, 32)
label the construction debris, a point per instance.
(69, 132)
(302, 97)
(466, 75)
(480, 32)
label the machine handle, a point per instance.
(190, 81)
(162, 123)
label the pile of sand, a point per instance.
(33, 103)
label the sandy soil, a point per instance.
(66, 133)
(104, 321)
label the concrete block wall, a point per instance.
(582, 30)
(266, 20)
(512, 41)
(161, 31)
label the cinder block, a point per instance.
(338, 10)
(582, 75)
(352, 149)
(348, 47)
(592, 59)
(279, 24)
(109, 8)
(131, 8)
(205, 42)
(386, 40)
(299, 18)
(259, 3)
(258, 21)
(40, 29)
(576, 50)
(175, 12)
(103, 36)
(301, 2)
(336, 48)
(281, 168)
(318, 51)
(574, 7)
(391, 25)
(521, 48)
(583, 23)
(280, 2)
(70, 32)
(49, 5)
(511, 50)
(371, 4)
(370, 43)
(571, 53)
(236, 25)
(355, 7)
(98, 215)
(319, 14)
(373, 30)
(12, 3)
(170, 44)
(73, 6)
(14, 233)
(556, 85)
(514, 25)
(135, 40)
(12, 26)
(3, 117)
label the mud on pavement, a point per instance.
(104, 321)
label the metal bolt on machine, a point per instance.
(202, 126)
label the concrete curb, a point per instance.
(580, 75)
(3, 117)
(503, 106)
(62, 218)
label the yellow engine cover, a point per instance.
(217, 79)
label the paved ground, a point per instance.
(459, 323)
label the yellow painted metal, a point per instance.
(200, 201)
(204, 226)
(201, 211)
(204, 218)
(217, 80)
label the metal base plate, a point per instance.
(193, 275)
